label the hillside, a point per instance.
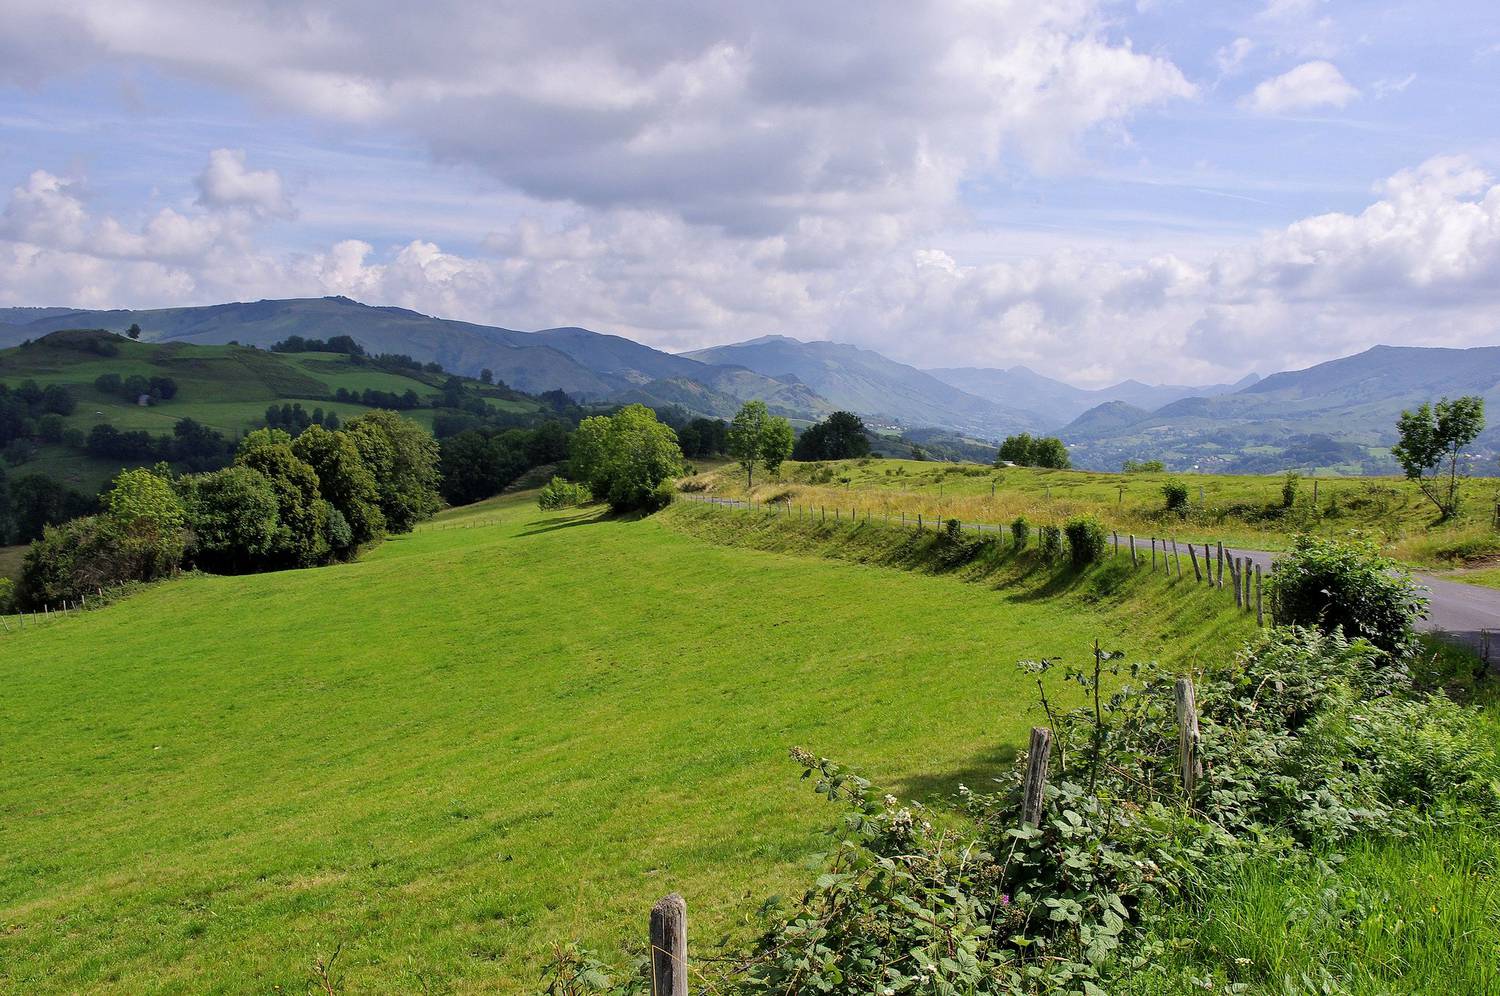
(1339, 416)
(226, 389)
(863, 381)
(387, 757)
(1058, 402)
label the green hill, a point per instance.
(507, 729)
(226, 388)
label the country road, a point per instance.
(1466, 614)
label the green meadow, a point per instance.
(506, 730)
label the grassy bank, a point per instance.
(505, 729)
(1242, 510)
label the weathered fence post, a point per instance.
(1246, 568)
(1193, 555)
(1260, 614)
(1221, 563)
(669, 968)
(1187, 738)
(1037, 756)
(1153, 555)
(1177, 556)
(1134, 560)
(1117, 543)
(919, 522)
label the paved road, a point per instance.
(1463, 612)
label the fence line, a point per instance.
(1244, 574)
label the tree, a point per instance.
(841, 436)
(301, 513)
(1432, 439)
(403, 456)
(38, 501)
(145, 496)
(232, 517)
(641, 457)
(345, 482)
(134, 331)
(757, 437)
(1024, 450)
(588, 452)
(1015, 449)
(486, 376)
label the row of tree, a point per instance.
(1026, 450)
(284, 502)
(137, 386)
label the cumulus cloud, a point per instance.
(226, 182)
(1231, 57)
(749, 117)
(1421, 264)
(1310, 85)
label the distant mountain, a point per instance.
(866, 382)
(1056, 402)
(1338, 415)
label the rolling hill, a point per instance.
(866, 382)
(1057, 402)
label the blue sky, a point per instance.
(1096, 190)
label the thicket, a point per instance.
(1306, 741)
(560, 493)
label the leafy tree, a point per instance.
(38, 501)
(1015, 449)
(345, 482)
(756, 437)
(404, 459)
(486, 376)
(145, 495)
(134, 331)
(841, 436)
(1143, 467)
(301, 512)
(1025, 450)
(588, 451)
(471, 468)
(1086, 543)
(1289, 489)
(109, 383)
(232, 515)
(1432, 439)
(641, 457)
(82, 555)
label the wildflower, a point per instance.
(890, 802)
(1004, 899)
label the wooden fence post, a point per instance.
(1193, 555)
(919, 522)
(1153, 555)
(1134, 560)
(1187, 738)
(1177, 556)
(1117, 543)
(1234, 577)
(1221, 563)
(669, 967)
(1260, 614)
(1036, 776)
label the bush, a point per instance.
(952, 528)
(563, 494)
(231, 519)
(1176, 495)
(1289, 489)
(1020, 532)
(84, 555)
(1086, 543)
(1348, 586)
(1050, 538)
(7, 596)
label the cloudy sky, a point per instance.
(1162, 189)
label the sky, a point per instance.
(1174, 191)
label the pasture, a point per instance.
(508, 729)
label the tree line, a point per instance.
(283, 502)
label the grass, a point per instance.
(10, 560)
(1242, 510)
(506, 729)
(1419, 915)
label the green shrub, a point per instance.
(1333, 584)
(1020, 532)
(83, 555)
(1289, 489)
(1176, 495)
(1050, 541)
(1086, 542)
(952, 528)
(7, 596)
(563, 494)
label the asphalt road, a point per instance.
(1464, 613)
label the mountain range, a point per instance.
(1337, 415)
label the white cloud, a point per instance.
(1310, 85)
(1384, 88)
(749, 117)
(226, 183)
(1231, 57)
(1420, 264)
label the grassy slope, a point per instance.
(1385, 509)
(226, 388)
(480, 740)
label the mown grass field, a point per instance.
(508, 729)
(1239, 509)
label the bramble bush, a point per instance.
(1346, 585)
(1050, 542)
(1020, 531)
(559, 493)
(1086, 543)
